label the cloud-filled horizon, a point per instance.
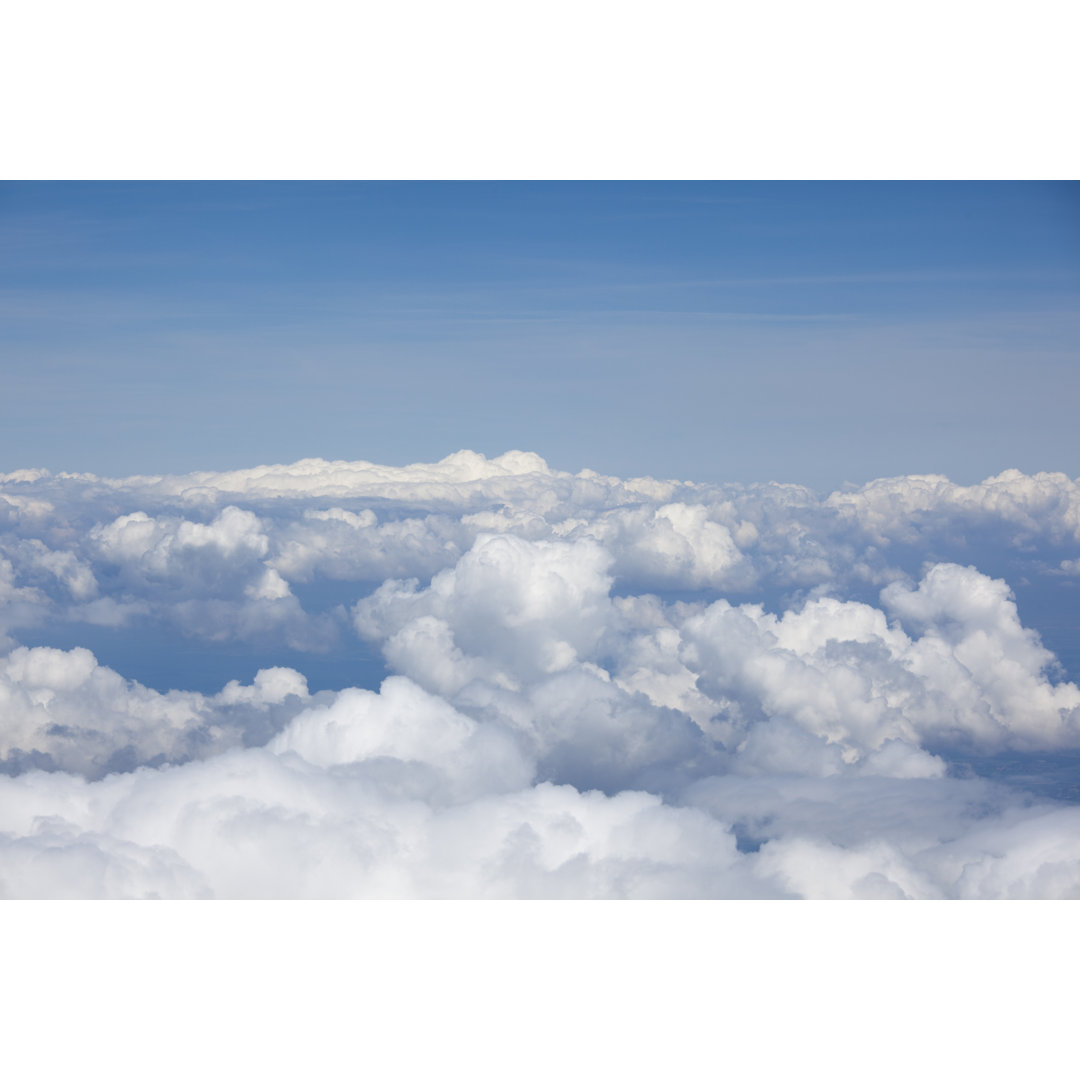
(490, 677)
(479, 539)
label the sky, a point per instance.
(492, 677)
(817, 333)
(552, 541)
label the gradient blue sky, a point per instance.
(811, 332)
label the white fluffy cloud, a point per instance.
(1046, 504)
(63, 710)
(840, 671)
(599, 687)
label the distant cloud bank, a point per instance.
(598, 687)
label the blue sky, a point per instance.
(812, 332)
(481, 678)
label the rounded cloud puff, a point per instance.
(62, 710)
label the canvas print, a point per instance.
(540, 540)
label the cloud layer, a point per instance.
(597, 686)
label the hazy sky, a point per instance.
(810, 332)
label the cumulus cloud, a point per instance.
(63, 710)
(1046, 504)
(840, 671)
(598, 687)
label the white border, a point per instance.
(583, 89)
(538, 989)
